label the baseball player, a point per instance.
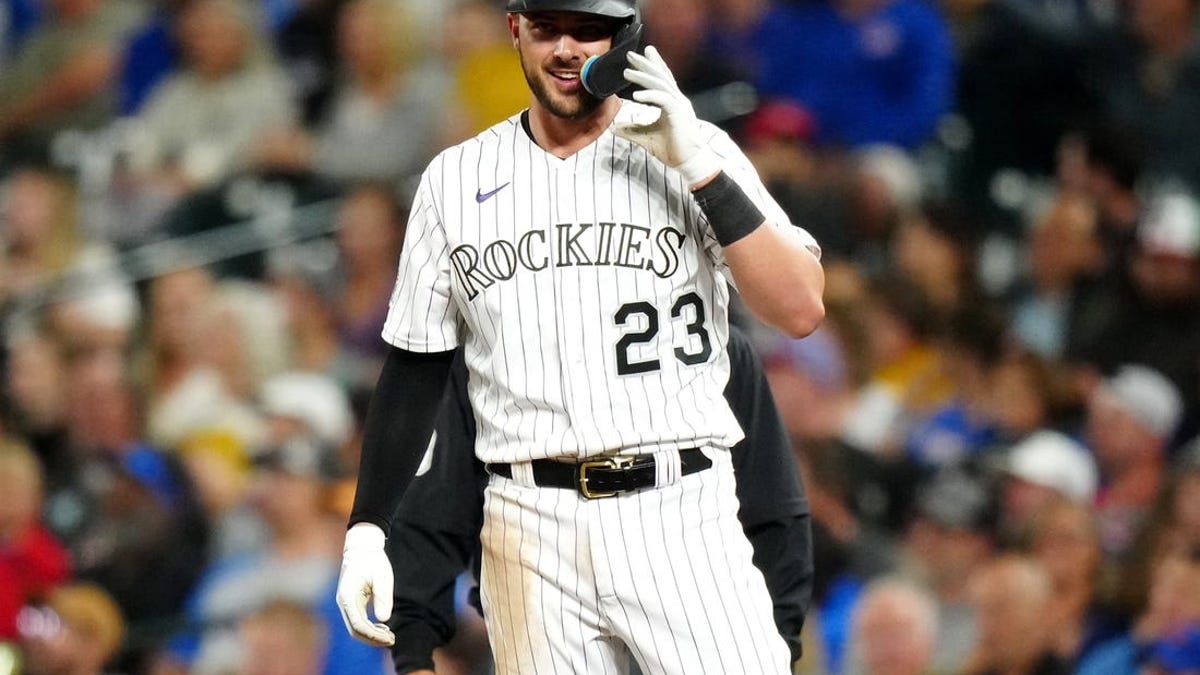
(435, 534)
(579, 254)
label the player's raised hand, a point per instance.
(366, 575)
(674, 137)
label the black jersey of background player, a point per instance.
(435, 534)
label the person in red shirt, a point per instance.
(32, 560)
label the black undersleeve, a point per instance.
(396, 432)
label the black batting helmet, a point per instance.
(618, 9)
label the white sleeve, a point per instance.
(423, 315)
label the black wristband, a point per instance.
(730, 212)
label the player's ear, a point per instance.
(514, 29)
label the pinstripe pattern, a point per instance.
(591, 298)
(567, 583)
(531, 279)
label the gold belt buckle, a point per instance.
(606, 462)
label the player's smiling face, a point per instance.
(553, 47)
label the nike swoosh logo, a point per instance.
(481, 197)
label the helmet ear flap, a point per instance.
(604, 75)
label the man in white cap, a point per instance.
(1044, 467)
(1131, 418)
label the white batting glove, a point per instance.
(366, 574)
(674, 138)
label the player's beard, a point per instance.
(567, 106)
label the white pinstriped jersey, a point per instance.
(587, 292)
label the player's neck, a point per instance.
(563, 137)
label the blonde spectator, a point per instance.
(1012, 598)
(894, 631)
(282, 638)
(199, 125)
(211, 344)
(32, 560)
(47, 261)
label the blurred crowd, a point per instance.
(201, 208)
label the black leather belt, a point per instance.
(605, 476)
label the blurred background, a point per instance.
(201, 207)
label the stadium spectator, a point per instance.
(370, 233)
(1062, 249)
(78, 630)
(1144, 75)
(1012, 596)
(1040, 470)
(32, 560)
(1064, 539)
(64, 75)
(282, 638)
(1131, 418)
(384, 118)
(1165, 635)
(298, 561)
(199, 126)
(858, 59)
(895, 628)
(949, 543)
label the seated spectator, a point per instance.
(1144, 76)
(32, 560)
(936, 245)
(1157, 290)
(1165, 636)
(137, 529)
(298, 562)
(370, 233)
(870, 71)
(199, 126)
(950, 542)
(49, 264)
(1012, 597)
(1130, 421)
(906, 378)
(384, 121)
(1064, 539)
(1062, 249)
(36, 388)
(282, 638)
(1042, 469)
(1030, 393)
(895, 629)
(79, 629)
(675, 28)
(210, 346)
(63, 76)
(970, 347)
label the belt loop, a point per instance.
(523, 474)
(667, 467)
